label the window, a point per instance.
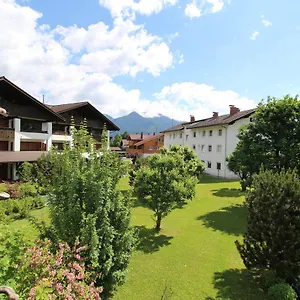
(203, 133)
(220, 132)
(219, 148)
(219, 166)
(174, 135)
(157, 147)
(209, 164)
(181, 135)
(202, 148)
(210, 133)
(170, 136)
(194, 147)
(150, 148)
(195, 134)
(186, 137)
(199, 147)
(210, 148)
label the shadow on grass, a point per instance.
(149, 240)
(210, 179)
(231, 219)
(225, 192)
(234, 284)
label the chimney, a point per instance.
(192, 118)
(142, 135)
(233, 110)
(215, 114)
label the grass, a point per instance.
(194, 256)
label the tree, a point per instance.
(272, 239)
(117, 140)
(271, 140)
(85, 202)
(166, 182)
(125, 135)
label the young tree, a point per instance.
(272, 239)
(125, 135)
(85, 202)
(271, 140)
(117, 140)
(166, 182)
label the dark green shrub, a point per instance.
(282, 291)
(269, 278)
(26, 172)
(272, 239)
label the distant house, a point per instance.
(144, 145)
(212, 139)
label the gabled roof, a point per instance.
(181, 126)
(149, 139)
(31, 98)
(174, 128)
(62, 108)
(222, 120)
(137, 137)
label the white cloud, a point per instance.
(265, 22)
(72, 64)
(172, 37)
(197, 8)
(192, 10)
(254, 35)
(199, 99)
(126, 8)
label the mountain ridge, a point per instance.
(135, 123)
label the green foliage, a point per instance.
(3, 187)
(125, 135)
(117, 140)
(104, 138)
(139, 162)
(192, 165)
(84, 202)
(19, 208)
(272, 240)
(28, 190)
(282, 291)
(271, 140)
(269, 278)
(12, 249)
(25, 172)
(167, 181)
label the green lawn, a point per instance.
(194, 256)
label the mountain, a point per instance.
(135, 123)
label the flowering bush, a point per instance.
(59, 276)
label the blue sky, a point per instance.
(236, 52)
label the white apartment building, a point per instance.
(212, 139)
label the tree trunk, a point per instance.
(158, 222)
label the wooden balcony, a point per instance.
(7, 133)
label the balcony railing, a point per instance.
(7, 133)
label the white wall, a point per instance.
(177, 137)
